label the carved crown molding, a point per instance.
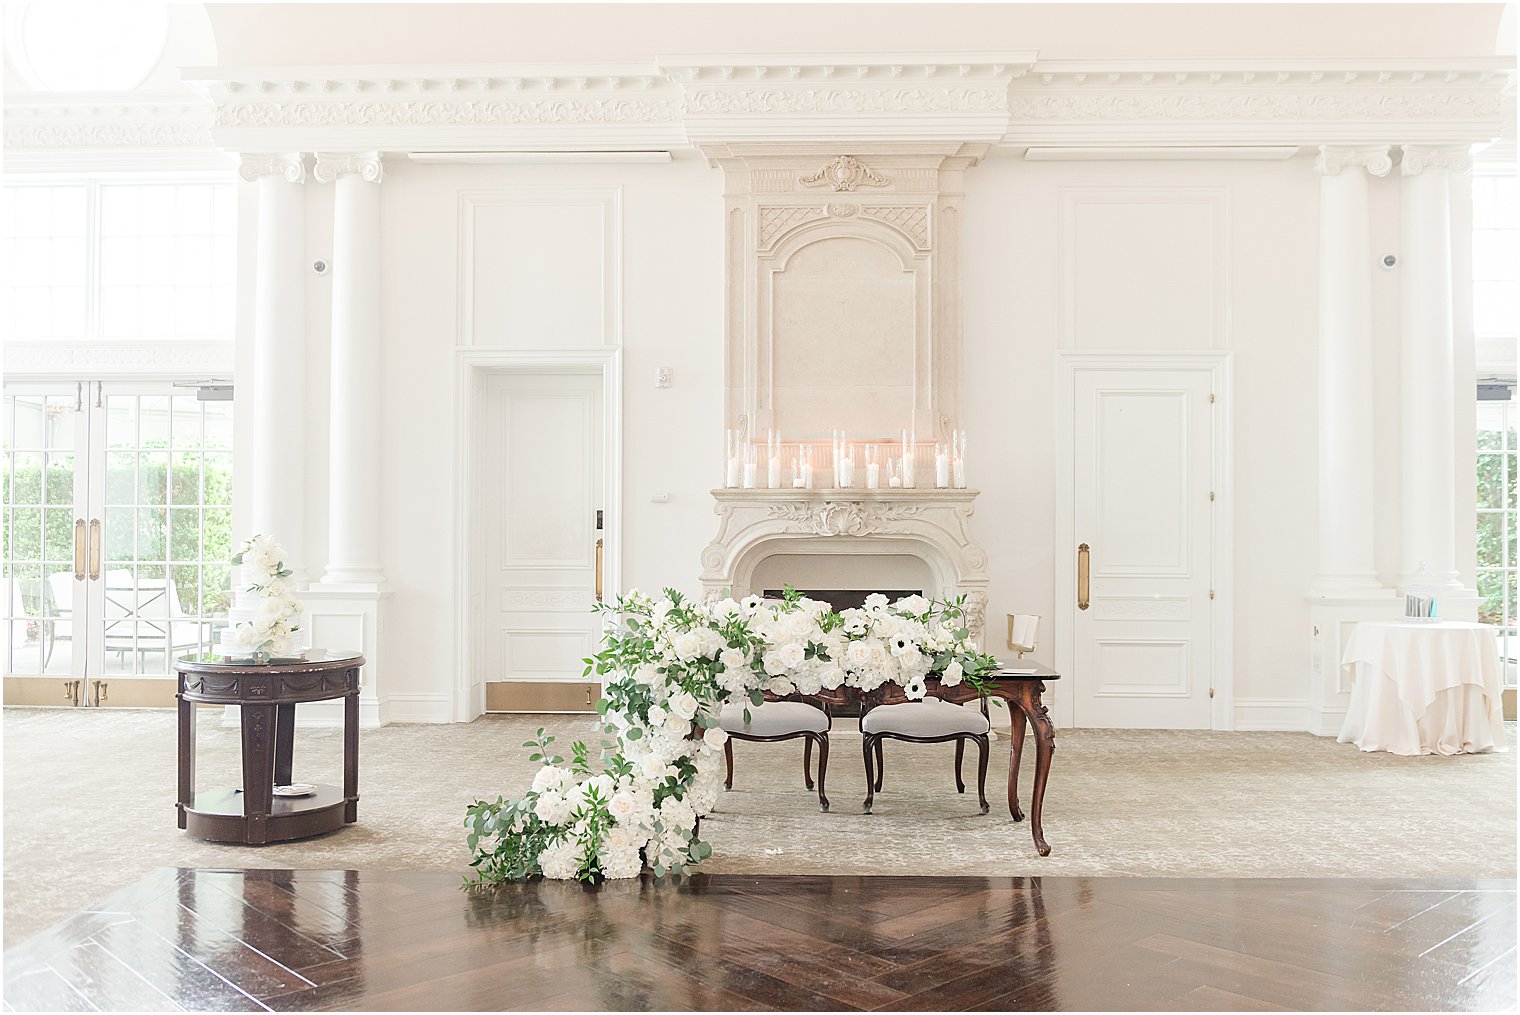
(1008, 98)
(331, 165)
(1333, 158)
(53, 121)
(1453, 158)
(1285, 102)
(290, 165)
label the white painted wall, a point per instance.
(1258, 302)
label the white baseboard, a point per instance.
(1326, 722)
(427, 708)
(1264, 714)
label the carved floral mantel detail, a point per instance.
(930, 524)
(844, 174)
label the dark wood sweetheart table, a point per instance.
(1021, 690)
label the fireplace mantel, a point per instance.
(926, 523)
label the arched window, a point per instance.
(87, 47)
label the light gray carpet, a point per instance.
(89, 807)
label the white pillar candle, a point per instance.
(749, 475)
(959, 468)
(873, 476)
(941, 467)
(846, 473)
(773, 473)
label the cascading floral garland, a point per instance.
(668, 667)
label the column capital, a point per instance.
(1333, 158)
(291, 165)
(1456, 158)
(365, 165)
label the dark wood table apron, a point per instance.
(267, 696)
(1022, 693)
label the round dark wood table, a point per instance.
(267, 695)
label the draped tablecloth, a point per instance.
(1424, 688)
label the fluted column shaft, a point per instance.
(1347, 565)
(353, 537)
(1427, 367)
(277, 494)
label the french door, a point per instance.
(117, 534)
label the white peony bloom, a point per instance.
(916, 605)
(548, 777)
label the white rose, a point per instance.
(714, 737)
(656, 715)
(623, 806)
(653, 766)
(687, 646)
(792, 655)
(684, 705)
(734, 659)
(547, 778)
(953, 673)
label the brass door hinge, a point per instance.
(1211, 398)
(1211, 496)
(1211, 692)
(1211, 595)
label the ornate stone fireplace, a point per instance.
(930, 525)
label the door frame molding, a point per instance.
(471, 365)
(1222, 537)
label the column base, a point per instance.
(354, 576)
(347, 618)
(1331, 621)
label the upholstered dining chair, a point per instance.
(779, 720)
(931, 721)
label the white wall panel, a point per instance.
(1144, 268)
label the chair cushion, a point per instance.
(773, 719)
(928, 718)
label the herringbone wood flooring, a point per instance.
(309, 940)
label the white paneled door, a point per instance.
(1143, 501)
(543, 534)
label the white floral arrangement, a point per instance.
(272, 621)
(668, 666)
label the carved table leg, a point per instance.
(258, 772)
(351, 757)
(284, 743)
(1016, 723)
(960, 752)
(186, 758)
(1045, 748)
(807, 762)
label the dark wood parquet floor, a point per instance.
(313, 940)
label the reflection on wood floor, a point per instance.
(310, 940)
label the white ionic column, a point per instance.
(353, 497)
(277, 494)
(1347, 566)
(1428, 374)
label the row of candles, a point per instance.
(874, 462)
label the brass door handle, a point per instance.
(94, 549)
(79, 543)
(599, 570)
(1084, 575)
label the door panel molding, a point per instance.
(1069, 364)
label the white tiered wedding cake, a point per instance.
(266, 621)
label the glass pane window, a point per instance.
(1496, 254)
(44, 263)
(1497, 564)
(118, 260)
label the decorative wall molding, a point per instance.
(1333, 158)
(844, 173)
(1297, 102)
(1012, 99)
(164, 358)
(331, 165)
